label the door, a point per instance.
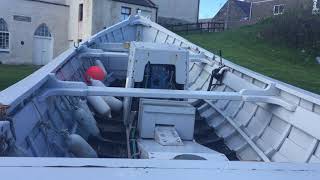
(42, 46)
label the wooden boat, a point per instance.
(177, 101)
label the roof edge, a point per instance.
(152, 5)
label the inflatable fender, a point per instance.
(100, 64)
(86, 121)
(79, 147)
(99, 105)
(114, 103)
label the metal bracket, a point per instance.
(271, 90)
(269, 95)
(138, 20)
(200, 58)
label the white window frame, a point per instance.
(43, 31)
(8, 49)
(125, 15)
(6, 32)
(274, 9)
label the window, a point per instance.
(278, 9)
(144, 13)
(125, 12)
(80, 12)
(4, 36)
(43, 31)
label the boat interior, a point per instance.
(163, 98)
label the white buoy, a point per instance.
(79, 147)
(83, 104)
(86, 121)
(114, 103)
(100, 64)
(99, 105)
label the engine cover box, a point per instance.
(179, 114)
(142, 53)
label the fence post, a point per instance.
(187, 28)
(208, 28)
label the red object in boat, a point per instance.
(95, 72)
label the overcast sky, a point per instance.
(208, 8)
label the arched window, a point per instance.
(43, 30)
(4, 36)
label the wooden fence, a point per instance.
(197, 27)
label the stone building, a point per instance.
(88, 17)
(177, 11)
(36, 31)
(32, 31)
(237, 13)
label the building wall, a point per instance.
(80, 30)
(175, 11)
(261, 9)
(97, 15)
(53, 15)
(232, 15)
(264, 9)
(107, 13)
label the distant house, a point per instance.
(177, 11)
(88, 17)
(237, 13)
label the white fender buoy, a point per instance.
(99, 105)
(86, 121)
(114, 103)
(83, 104)
(100, 64)
(79, 147)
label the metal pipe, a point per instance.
(57, 87)
(142, 93)
(104, 55)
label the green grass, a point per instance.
(10, 74)
(245, 47)
(242, 46)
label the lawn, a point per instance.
(245, 47)
(10, 74)
(242, 46)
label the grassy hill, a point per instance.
(246, 47)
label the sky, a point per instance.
(208, 8)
